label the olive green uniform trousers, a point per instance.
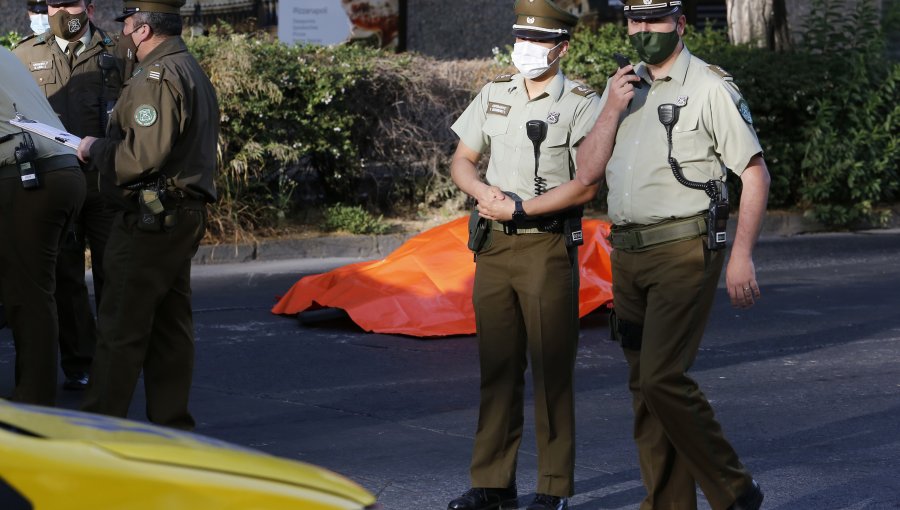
(77, 327)
(146, 321)
(33, 224)
(669, 290)
(526, 303)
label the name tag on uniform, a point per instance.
(498, 109)
(41, 66)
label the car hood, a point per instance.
(148, 443)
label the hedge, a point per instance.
(305, 127)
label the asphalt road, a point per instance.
(806, 385)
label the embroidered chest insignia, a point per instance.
(553, 117)
(681, 101)
(145, 115)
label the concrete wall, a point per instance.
(458, 28)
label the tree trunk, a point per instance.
(762, 23)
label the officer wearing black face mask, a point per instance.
(81, 70)
(663, 141)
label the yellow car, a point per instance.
(57, 459)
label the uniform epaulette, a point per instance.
(155, 72)
(719, 71)
(583, 90)
(26, 38)
(502, 78)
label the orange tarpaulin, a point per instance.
(424, 288)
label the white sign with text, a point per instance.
(322, 22)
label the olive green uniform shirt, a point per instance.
(496, 119)
(18, 88)
(80, 95)
(713, 132)
(165, 123)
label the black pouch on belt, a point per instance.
(152, 211)
(479, 231)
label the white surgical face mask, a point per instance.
(531, 59)
(40, 23)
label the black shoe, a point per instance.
(751, 499)
(548, 502)
(478, 498)
(77, 381)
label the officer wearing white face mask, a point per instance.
(526, 279)
(37, 15)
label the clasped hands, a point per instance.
(493, 204)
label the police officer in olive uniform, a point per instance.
(526, 279)
(41, 192)
(81, 70)
(664, 139)
(158, 164)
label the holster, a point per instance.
(628, 334)
(479, 232)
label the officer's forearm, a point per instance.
(560, 198)
(596, 149)
(754, 197)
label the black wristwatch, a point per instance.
(519, 215)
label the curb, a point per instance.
(368, 247)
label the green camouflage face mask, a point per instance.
(654, 47)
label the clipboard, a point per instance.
(49, 132)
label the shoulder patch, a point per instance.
(145, 115)
(719, 71)
(744, 108)
(583, 90)
(503, 78)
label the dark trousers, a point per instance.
(33, 223)
(526, 303)
(77, 328)
(670, 290)
(146, 321)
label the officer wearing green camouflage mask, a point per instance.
(666, 136)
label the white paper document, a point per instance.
(49, 132)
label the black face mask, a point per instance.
(68, 26)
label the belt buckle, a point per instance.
(509, 228)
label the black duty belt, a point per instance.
(643, 237)
(42, 166)
(177, 198)
(534, 226)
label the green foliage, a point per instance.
(9, 39)
(353, 219)
(284, 111)
(852, 149)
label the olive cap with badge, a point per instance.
(542, 20)
(650, 9)
(161, 6)
(37, 6)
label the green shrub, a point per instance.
(852, 149)
(9, 39)
(353, 219)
